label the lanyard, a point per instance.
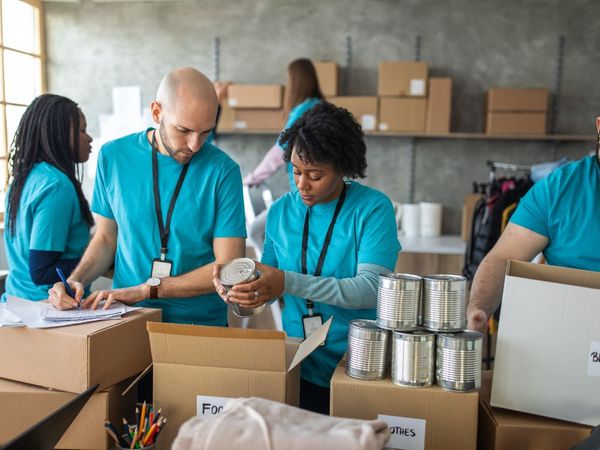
(309, 303)
(164, 229)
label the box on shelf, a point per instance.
(191, 361)
(258, 119)
(547, 353)
(75, 358)
(439, 105)
(256, 96)
(515, 123)
(402, 114)
(517, 100)
(328, 74)
(420, 418)
(23, 405)
(402, 78)
(363, 108)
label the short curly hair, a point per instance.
(330, 135)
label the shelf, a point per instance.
(480, 136)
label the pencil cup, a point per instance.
(149, 447)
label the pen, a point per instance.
(64, 281)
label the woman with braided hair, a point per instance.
(48, 219)
(326, 243)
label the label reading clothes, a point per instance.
(594, 360)
(209, 406)
(405, 432)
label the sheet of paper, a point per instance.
(8, 319)
(51, 313)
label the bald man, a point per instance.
(168, 205)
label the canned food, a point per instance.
(444, 302)
(399, 301)
(413, 358)
(240, 271)
(459, 361)
(367, 350)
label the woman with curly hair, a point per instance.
(326, 243)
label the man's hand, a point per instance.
(477, 321)
(270, 285)
(217, 282)
(129, 296)
(58, 297)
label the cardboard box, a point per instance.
(328, 74)
(439, 105)
(191, 361)
(468, 210)
(501, 429)
(402, 114)
(517, 100)
(363, 108)
(515, 123)
(402, 78)
(258, 119)
(23, 405)
(255, 96)
(425, 418)
(548, 349)
(74, 358)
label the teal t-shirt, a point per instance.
(365, 232)
(49, 219)
(210, 205)
(295, 113)
(564, 207)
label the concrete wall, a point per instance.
(93, 46)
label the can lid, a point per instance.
(367, 329)
(418, 335)
(459, 340)
(237, 271)
(444, 277)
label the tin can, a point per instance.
(399, 301)
(459, 361)
(240, 271)
(444, 302)
(367, 350)
(413, 358)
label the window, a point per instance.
(22, 63)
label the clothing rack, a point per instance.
(495, 165)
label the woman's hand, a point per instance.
(129, 296)
(270, 285)
(217, 282)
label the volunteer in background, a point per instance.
(47, 220)
(166, 203)
(326, 243)
(558, 217)
(302, 92)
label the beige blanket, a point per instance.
(259, 424)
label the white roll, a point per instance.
(431, 219)
(410, 219)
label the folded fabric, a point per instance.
(259, 424)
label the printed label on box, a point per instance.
(368, 122)
(383, 126)
(233, 101)
(594, 360)
(417, 86)
(405, 432)
(239, 124)
(209, 406)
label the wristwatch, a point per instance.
(153, 282)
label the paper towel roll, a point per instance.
(431, 219)
(410, 219)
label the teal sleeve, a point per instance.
(532, 211)
(230, 217)
(358, 292)
(52, 219)
(100, 201)
(268, 255)
(379, 243)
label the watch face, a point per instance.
(153, 282)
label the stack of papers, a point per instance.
(116, 310)
(8, 319)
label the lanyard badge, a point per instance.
(162, 267)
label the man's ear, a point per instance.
(598, 124)
(156, 111)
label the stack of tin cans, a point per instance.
(421, 312)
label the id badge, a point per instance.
(161, 268)
(310, 324)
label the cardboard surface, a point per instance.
(222, 362)
(363, 108)
(545, 359)
(521, 100)
(468, 210)
(402, 78)
(258, 119)
(74, 358)
(402, 114)
(255, 96)
(451, 418)
(328, 74)
(515, 123)
(439, 105)
(23, 405)
(501, 429)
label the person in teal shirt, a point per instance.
(302, 93)
(558, 217)
(47, 220)
(325, 147)
(162, 238)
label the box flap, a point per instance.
(204, 346)
(310, 345)
(553, 274)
